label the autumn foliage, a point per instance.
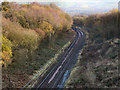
(6, 51)
(102, 26)
(26, 25)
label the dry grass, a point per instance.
(95, 69)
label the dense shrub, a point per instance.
(47, 28)
(31, 15)
(20, 37)
(27, 25)
(40, 32)
(5, 6)
(104, 26)
(25, 38)
(6, 51)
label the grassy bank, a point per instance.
(98, 65)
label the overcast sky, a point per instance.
(80, 6)
(62, 0)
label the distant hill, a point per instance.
(76, 8)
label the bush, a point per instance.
(100, 25)
(27, 25)
(20, 37)
(25, 38)
(31, 15)
(5, 6)
(6, 51)
(47, 28)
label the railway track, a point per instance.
(54, 77)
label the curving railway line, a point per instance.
(59, 72)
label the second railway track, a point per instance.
(55, 75)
